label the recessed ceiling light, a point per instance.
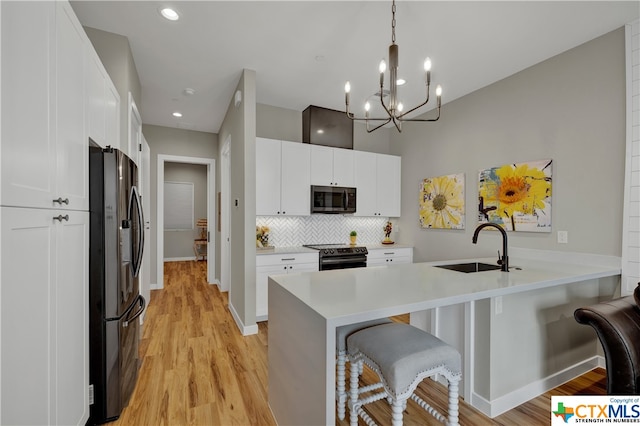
(177, 114)
(400, 81)
(320, 131)
(170, 14)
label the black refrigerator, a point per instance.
(116, 245)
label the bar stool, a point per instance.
(402, 356)
(342, 333)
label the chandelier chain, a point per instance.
(393, 22)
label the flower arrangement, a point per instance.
(262, 236)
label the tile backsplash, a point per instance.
(322, 229)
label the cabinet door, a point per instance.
(262, 285)
(27, 149)
(72, 147)
(365, 168)
(295, 198)
(95, 97)
(135, 131)
(267, 177)
(321, 165)
(343, 163)
(112, 115)
(27, 276)
(388, 185)
(71, 319)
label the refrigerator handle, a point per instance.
(135, 200)
(141, 305)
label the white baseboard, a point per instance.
(179, 259)
(156, 286)
(245, 330)
(519, 396)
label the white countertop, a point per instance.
(386, 246)
(299, 249)
(286, 250)
(346, 295)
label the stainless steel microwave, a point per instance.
(333, 199)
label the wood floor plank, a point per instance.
(197, 369)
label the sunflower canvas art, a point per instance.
(442, 202)
(516, 196)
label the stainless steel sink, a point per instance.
(470, 267)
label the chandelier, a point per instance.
(394, 108)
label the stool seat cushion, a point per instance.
(344, 331)
(402, 353)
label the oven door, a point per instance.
(343, 262)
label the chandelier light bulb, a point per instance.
(400, 107)
(439, 91)
(427, 64)
(347, 87)
(367, 106)
(382, 67)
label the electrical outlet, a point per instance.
(563, 237)
(498, 302)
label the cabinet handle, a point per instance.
(61, 201)
(61, 218)
(288, 259)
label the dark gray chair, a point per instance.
(617, 324)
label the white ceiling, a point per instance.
(304, 51)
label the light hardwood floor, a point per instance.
(197, 369)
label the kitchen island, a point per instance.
(306, 308)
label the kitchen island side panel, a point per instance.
(299, 390)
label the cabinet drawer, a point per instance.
(375, 254)
(289, 259)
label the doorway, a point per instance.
(211, 204)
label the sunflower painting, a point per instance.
(442, 202)
(516, 196)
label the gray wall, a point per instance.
(240, 125)
(170, 141)
(286, 124)
(179, 243)
(115, 53)
(570, 108)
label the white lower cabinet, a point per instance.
(44, 365)
(389, 256)
(276, 264)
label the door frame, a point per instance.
(211, 206)
(225, 223)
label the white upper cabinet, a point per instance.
(295, 196)
(44, 150)
(72, 147)
(27, 145)
(388, 185)
(282, 178)
(331, 166)
(102, 102)
(377, 180)
(135, 132)
(95, 97)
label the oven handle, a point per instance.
(350, 259)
